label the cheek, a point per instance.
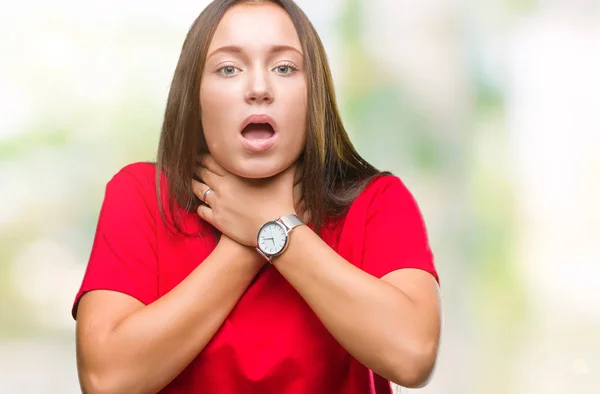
(296, 98)
(301, 118)
(215, 104)
(211, 104)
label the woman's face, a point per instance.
(253, 93)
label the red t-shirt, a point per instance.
(271, 342)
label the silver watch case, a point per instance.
(287, 224)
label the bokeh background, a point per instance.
(488, 110)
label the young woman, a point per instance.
(261, 253)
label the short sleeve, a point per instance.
(124, 256)
(395, 233)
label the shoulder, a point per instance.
(134, 189)
(384, 189)
(131, 189)
(382, 182)
(135, 179)
(139, 174)
(385, 199)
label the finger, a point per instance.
(200, 190)
(206, 160)
(207, 176)
(205, 213)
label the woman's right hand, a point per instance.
(238, 207)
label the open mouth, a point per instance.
(258, 131)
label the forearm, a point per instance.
(373, 320)
(152, 346)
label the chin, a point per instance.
(258, 169)
(258, 172)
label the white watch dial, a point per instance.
(271, 238)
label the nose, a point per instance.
(259, 90)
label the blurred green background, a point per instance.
(487, 110)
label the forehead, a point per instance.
(255, 26)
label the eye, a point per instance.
(285, 69)
(228, 70)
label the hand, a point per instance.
(238, 207)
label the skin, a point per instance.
(248, 71)
(392, 324)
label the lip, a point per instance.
(259, 145)
(259, 118)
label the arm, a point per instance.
(391, 325)
(126, 347)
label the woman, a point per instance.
(193, 286)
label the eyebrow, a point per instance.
(237, 49)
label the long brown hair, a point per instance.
(333, 171)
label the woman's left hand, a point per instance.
(238, 207)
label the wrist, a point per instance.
(303, 239)
(243, 253)
(274, 236)
(276, 214)
(270, 216)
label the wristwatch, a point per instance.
(274, 236)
